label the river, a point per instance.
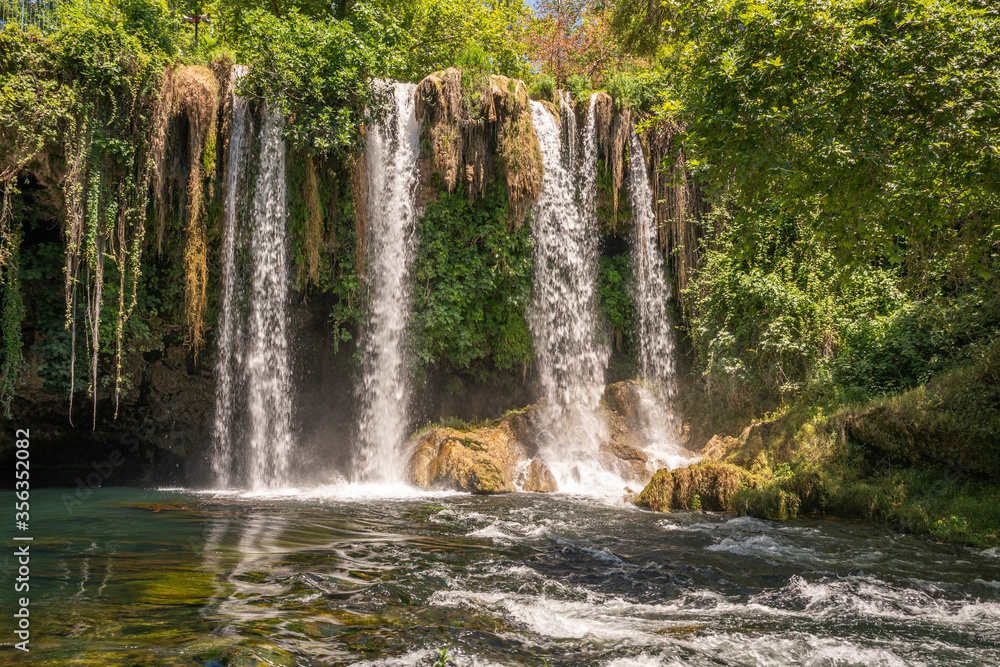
(373, 575)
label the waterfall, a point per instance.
(588, 168)
(252, 430)
(391, 152)
(655, 333)
(228, 361)
(562, 318)
(268, 370)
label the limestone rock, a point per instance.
(482, 461)
(630, 463)
(537, 477)
(625, 399)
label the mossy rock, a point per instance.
(771, 502)
(659, 493)
(709, 486)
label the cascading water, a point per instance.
(571, 361)
(269, 373)
(228, 358)
(253, 352)
(391, 151)
(588, 167)
(655, 333)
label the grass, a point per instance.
(455, 424)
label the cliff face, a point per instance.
(159, 437)
(477, 140)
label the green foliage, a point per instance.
(543, 87)
(876, 120)
(776, 314)
(580, 87)
(13, 303)
(42, 277)
(614, 295)
(318, 71)
(436, 32)
(90, 89)
(476, 69)
(641, 26)
(32, 101)
(639, 90)
(443, 658)
(472, 282)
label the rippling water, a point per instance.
(352, 575)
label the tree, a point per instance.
(572, 37)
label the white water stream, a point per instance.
(252, 438)
(651, 296)
(391, 152)
(562, 317)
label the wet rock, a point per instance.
(537, 477)
(630, 463)
(625, 399)
(481, 461)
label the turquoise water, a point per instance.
(347, 576)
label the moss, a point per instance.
(707, 486)
(921, 461)
(197, 92)
(455, 424)
(953, 420)
(714, 484)
(208, 156)
(658, 494)
(771, 502)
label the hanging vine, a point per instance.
(197, 97)
(26, 128)
(76, 112)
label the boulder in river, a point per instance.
(487, 460)
(502, 457)
(709, 486)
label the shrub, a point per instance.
(579, 86)
(543, 87)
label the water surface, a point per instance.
(347, 575)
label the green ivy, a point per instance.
(614, 292)
(472, 283)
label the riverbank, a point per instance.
(923, 461)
